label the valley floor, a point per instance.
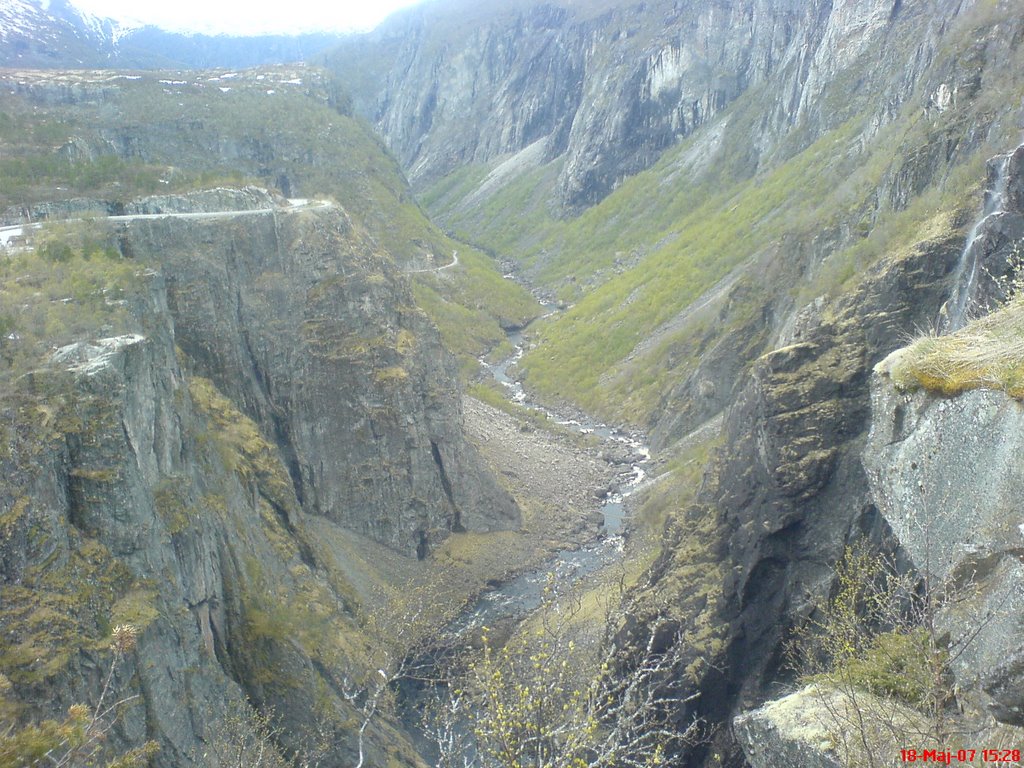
(556, 480)
(555, 476)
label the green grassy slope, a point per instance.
(773, 233)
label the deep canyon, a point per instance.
(313, 371)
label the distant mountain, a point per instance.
(54, 34)
(150, 47)
(39, 34)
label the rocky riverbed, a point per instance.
(561, 478)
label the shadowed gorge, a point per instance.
(577, 383)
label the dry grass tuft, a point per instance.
(986, 354)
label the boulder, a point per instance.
(945, 473)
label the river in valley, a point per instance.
(519, 596)
(514, 600)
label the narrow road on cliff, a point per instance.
(453, 263)
(15, 232)
(295, 205)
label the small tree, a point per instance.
(77, 741)
(541, 701)
(868, 658)
(246, 738)
(879, 665)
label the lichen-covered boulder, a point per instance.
(821, 727)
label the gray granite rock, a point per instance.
(818, 727)
(945, 473)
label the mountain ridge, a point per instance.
(57, 35)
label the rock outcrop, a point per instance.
(944, 473)
(816, 728)
(786, 733)
(108, 520)
(268, 392)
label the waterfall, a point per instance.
(954, 312)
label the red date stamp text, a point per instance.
(949, 757)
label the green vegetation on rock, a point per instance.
(240, 445)
(686, 579)
(59, 608)
(67, 289)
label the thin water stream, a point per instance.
(966, 275)
(516, 598)
(519, 596)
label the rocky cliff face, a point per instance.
(299, 319)
(605, 91)
(701, 262)
(944, 474)
(109, 518)
(289, 127)
(190, 470)
(106, 136)
(875, 102)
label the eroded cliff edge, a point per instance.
(256, 393)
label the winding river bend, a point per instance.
(516, 598)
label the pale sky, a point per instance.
(247, 17)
